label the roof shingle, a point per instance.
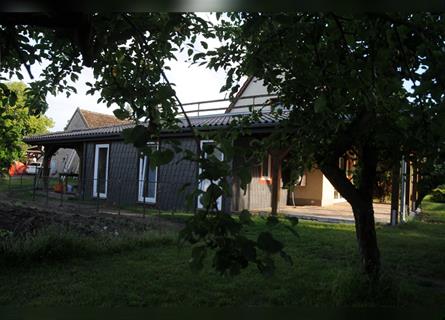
(203, 122)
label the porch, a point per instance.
(338, 212)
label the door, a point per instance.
(100, 183)
(203, 185)
(147, 180)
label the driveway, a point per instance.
(339, 212)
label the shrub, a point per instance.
(57, 245)
(438, 194)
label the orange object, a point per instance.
(58, 187)
(17, 168)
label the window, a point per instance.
(204, 184)
(266, 167)
(100, 183)
(148, 179)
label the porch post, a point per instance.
(48, 153)
(80, 151)
(414, 190)
(277, 157)
(395, 176)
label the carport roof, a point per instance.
(207, 122)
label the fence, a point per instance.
(117, 196)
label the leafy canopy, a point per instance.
(16, 122)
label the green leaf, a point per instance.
(161, 157)
(287, 258)
(266, 242)
(272, 221)
(12, 98)
(121, 114)
(245, 217)
(199, 252)
(293, 220)
(320, 104)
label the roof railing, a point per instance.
(199, 109)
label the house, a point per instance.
(114, 171)
(314, 188)
(67, 160)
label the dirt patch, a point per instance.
(26, 218)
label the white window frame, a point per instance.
(142, 167)
(96, 170)
(269, 167)
(219, 200)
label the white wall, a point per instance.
(256, 87)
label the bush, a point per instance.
(56, 245)
(438, 194)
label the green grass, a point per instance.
(134, 272)
(433, 211)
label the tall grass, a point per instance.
(52, 244)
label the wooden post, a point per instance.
(408, 186)
(277, 157)
(80, 151)
(414, 190)
(49, 151)
(395, 176)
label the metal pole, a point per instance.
(47, 190)
(97, 194)
(403, 192)
(119, 198)
(61, 193)
(395, 185)
(143, 196)
(34, 187)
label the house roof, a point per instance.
(207, 122)
(239, 94)
(96, 119)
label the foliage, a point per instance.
(438, 194)
(52, 244)
(370, 84)
(16, 122)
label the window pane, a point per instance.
(102, 169)
(149, 179)
(265, 167)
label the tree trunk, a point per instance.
(366, 236)
(360, 200)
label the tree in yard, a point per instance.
(367, 84)
(16, 122)
(371, 84)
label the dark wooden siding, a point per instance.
(123, 177)
(258, 194)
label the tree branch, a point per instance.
(164, 76)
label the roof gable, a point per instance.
(96, 120)
(252, 87)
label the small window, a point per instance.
(266, 168)
(342, 163)
(148, 179)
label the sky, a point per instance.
(193, 84)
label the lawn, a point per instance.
(153, 271)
